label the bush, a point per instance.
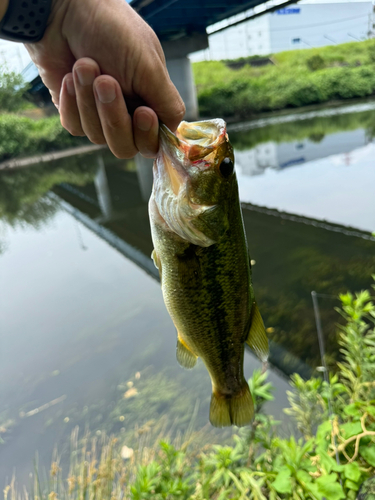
(12, 90)
(315, 62)
(23, 136)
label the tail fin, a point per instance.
(237, 409)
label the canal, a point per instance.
(85, 339)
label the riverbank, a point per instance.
(23, 136)
(293, 79)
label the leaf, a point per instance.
(329, 464)
(313, 489)
(283, 482)
(352, 471)
(371, 410)
(352, 410)
(329, 487)
(351, 429)
(368, 453)
(323, 431)
(351, 485)
(303, 476)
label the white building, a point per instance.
(302, 25)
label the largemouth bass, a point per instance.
(201, 252)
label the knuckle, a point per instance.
(115, 123)
(74, 130)
(96, 139)
(124, 153)
(181, 109)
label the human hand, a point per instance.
(85, 38)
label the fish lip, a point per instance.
(188, 152)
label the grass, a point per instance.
(297, 78)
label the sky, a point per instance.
(16, 57)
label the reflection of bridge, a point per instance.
(115, 208)
(181, 28)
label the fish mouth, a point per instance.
(195, 144)
(193, 141)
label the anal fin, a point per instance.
(257, 338)
(185, 357)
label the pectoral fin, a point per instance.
(185, 357)
(155, 258)
(257, 338)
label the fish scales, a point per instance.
(206, 287)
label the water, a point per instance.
(85, 337)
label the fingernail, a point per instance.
(86, 76)
(70, 86)
(106, 92)
(144, 122)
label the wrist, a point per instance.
(23, 21)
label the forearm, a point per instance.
(3, 8)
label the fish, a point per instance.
(201, 252)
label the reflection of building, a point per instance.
(298, 26)
(254, 161)
(286, 154)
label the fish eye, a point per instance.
(226, 167)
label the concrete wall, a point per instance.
(301, 26)
(316, 25)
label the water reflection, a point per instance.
(79, 321)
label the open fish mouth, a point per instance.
(193, 141)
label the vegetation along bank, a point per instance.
(229, 89)
(23, 136)
(292, 79)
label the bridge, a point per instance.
(181, 27)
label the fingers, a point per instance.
(85, 71)
(68, 109)
(115, 120)
(98, 110)
(146, 131)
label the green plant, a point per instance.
(297, 78)
(23, 136)
(315, 62)
(12, 90)
(332, 458)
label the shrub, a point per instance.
(12, 90)
(23, 136)
(315, 62)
